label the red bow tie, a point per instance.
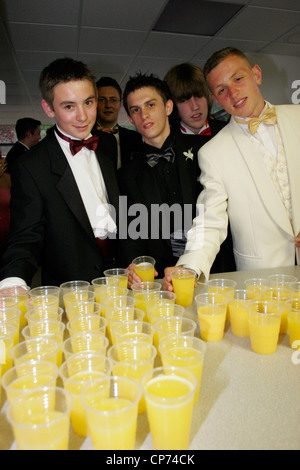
(206, 131)
(76, 145)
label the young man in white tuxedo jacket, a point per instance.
(250, 174)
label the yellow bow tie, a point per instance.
(268, 117)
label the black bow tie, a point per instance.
(76, 145)
(153, 158)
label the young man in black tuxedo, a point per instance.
(60, 217)
(109, 106)
(163, 177)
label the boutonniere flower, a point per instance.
(188, 155)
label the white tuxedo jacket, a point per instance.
(237, 184)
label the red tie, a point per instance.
(206, 131)
(76, 145)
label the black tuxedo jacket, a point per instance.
(15, 152)
(49, 224)
(137, 182)
(130, 142)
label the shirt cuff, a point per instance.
(11, 282)
(193, 267)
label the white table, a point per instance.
(247, 401)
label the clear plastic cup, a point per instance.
(11, 315)
(183, 281)
(237, 301)
(85, 342)
(133, 330)
(15, 296)
(170, 326)
(222, 286)
(82, 308)
(44, 313)
(157, 297)
(78, 296)
(142, 290)
(293, 318)
(122, 314)
(184, 351)
(28, 375)
(279, 293)
(132, 359)
(157, 311)
(45, 290)
(169, 394)
(118, 275)
(264, 325)
(211, 308)
(144, 267)
(7, 338)
(118, 301)
(40, 419)
(92, 323)
(111, 405)
(76, 373)
(105, 292)
(41, 349)
(281, 279)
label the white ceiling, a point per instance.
(118, 37)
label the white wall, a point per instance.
(281, 77)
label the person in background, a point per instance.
(250, 172)
(28, 132)
(109, 106)
(5, 184)
(63, 189)
(164, 174)
(193, 101)
(192, 117)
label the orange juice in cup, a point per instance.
(169, 394)
(111, 405)
(184, 351)
(76, 373)
(280, 294)
(211, 308)
(238, 312)
(40, 419)
(16, 296)
(183, 281)
(222, 286)
(293, 318)
(132, 359)
(144, 268)
(264, 325)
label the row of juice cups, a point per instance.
(131, 358)
(263, 310)
(174, 318)
(108, 406)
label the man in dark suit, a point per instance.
(28, 132)
(65, 192)
(162, 179)
(109, 106)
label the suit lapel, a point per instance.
(264, 184)
(289, 129)
(186, 158)
(67, 186)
